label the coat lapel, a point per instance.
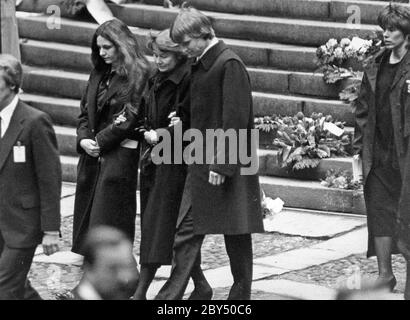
(115, 85)
(12, 133)
(372, 68)
(92, 97)
(406, 69)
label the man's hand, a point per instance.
(408, 86)
(91, 147)
(50, 242)
(216, 179)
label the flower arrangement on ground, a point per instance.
(270, 207)
(303, 141)
(340, 179)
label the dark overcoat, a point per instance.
(106, 186)
(29, 191)
(221, 98)
(162, 184)
(365, 124)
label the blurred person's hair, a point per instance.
(102, 237)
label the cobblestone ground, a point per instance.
(213, 256)
(335, 274)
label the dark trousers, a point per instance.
(14, 267)
(187, 248)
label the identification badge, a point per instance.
(19, 153)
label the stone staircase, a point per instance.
(277, 40)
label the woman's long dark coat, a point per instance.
(162, 185)
(106, 186)
(366, 122)
(221, 98)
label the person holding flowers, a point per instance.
(381, 140)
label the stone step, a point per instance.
(295, 193)
(272, 29)
(306, 9)
(253, 53)
(269, 166)
(269, 104)
(312, 195)
(268, 159)
(62, 111)
(332, 10)
(54, 82)
(75, 58)
(282, 30)
(69, 168)
(66, 139)
(65, 111)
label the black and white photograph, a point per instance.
(207, 150)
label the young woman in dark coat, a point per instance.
(109, 153)
(381, 140)
(167, 107)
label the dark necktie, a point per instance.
(1, 120)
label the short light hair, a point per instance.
(395, 17)
(192, 23)
(12, 71)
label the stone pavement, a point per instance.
(305, 255)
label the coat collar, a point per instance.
(405, 68)
(176, 76)
(95, 79)
(12, 133)
(116, 83)
(209, 58)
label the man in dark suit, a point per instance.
(30, 185)
(110, 272)
(218, 198)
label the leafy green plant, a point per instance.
(303, 141)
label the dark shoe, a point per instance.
(201, 294)
(239, 292)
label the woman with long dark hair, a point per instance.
(109, 152)
(381, 138)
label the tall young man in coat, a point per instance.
(218, 198)
(30, 185)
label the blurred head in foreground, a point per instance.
(109, 264)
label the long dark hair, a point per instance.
(133, 66)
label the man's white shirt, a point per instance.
(6, 114)
(214, 41)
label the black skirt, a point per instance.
(382, 195)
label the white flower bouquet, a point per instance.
(332, 58)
